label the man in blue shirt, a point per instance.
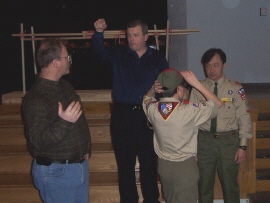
(135, 68)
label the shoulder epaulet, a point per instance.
(185, 101)
(234, 82)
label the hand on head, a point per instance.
(190, 77)
(157, 87)
(72, 113)
(100, 25)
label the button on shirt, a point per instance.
(133, 76)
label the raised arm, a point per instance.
(192, 80)
(100, 25)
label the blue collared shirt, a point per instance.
(133, 76)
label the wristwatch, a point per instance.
(243, 148)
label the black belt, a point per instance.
(134, 107)
(47, 161)
(217, 134)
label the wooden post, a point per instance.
(109, 34)
(156, 37)
(167, 40)
(34, 50)
(23, 63)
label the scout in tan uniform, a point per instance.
(175, 122)
(223, 148)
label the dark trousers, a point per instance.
(131, 137)
(217, 154)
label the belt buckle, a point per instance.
(216, 135)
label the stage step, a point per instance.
(260, 103)
(262, 157)
(263, 133)
(260, 197)
(21, 163)
(264, 117)
(13, 139)
(15, 175)
(98, 194)
(91, 109)
(11, 123)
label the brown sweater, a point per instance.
(47, 134)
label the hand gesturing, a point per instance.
(72, 113)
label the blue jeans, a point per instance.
(62, 183)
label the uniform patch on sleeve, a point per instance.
(148, 100)
(166, 108)
(242, 94)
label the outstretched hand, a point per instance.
(72, 113)
(100, 25)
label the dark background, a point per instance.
(67, 16)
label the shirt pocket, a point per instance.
(227, 110)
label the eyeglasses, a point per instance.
(68, 58)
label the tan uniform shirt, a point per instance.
(234, 114)
(176, 125)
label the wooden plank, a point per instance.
(263, 125)
(22, 149)
(263, 163)
(12, 136)
(102, 147)
(248, 183)
(100, 134)
(249, 163)
(97, 107)
(15, 123)
(21, 163)
(15, 136)
(263, 104)
(86, 95)
(262, 143)
(254, 112)
(10, 110)
(22, 195)
(88, 107)
(262, 185)
(98, 194)
(13, 149)
(25, 180)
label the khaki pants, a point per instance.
(179, 180)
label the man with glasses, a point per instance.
(56, 129)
